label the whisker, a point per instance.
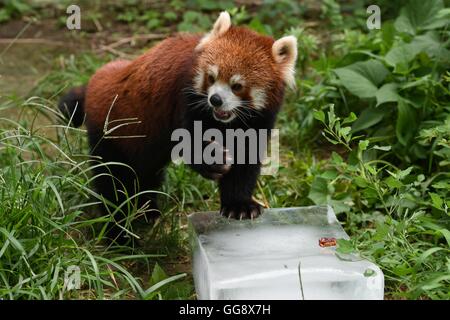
(193, 91)
(235, 112)
(249, 111)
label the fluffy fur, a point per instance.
(132, 107)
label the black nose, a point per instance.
(215, 100)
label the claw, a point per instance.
(254, 213)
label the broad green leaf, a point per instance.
(420, 15)
(436, 200)
(158, 274)
(382, 232)
(362, 78)
(406, 123)
(401, 54)
(337, 159)
(319, 115)
(352, 117)
(446, 234)
(373, 70)
(402, 174)
(444, 13)
(345, 246)
(319, 191)
(387, 93)
(368, 118)
(430, 43)
(361, 182)
(339, 206)
(393, 183)
(330, 174)
(356, 83)
(363, 144)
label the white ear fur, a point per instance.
(284, 52)
(222, 24)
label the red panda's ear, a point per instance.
(222, 24)
(284, 52)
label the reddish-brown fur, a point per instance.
(145, 90)
(146, 87)
(132, 108)
(243, 51)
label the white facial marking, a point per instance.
(230, 100)
(198, 80)
(237, 78)
(213, 71)
(259, 98)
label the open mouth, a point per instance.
(222, 115)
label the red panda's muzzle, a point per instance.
(222, 115)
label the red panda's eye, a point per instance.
(236, 87)
(211, 79)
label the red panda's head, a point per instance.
(239, 69)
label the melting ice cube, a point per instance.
(277, 256)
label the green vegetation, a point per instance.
(367, 131)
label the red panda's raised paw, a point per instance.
(241, 211)
(215, 171)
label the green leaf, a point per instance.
(345, 246)
(373, 70)
(352, 117)
(406, 123)
(330, 174)
(363, 144)
(337, 159)
(387, 93)
(319, 191)
(356, 83)
(158, 274)
(393, 183)
(400, 55)
(362, 78)
(382, 232)
(431, 45)
(402, 174)
(368, 118)
(319, 115)
(436, 200)
(361, 182)
(420, 15)
(446, 234)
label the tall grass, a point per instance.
(49, 219)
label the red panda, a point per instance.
(132, 107)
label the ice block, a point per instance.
(278, 256)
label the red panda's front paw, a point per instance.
(248, 210)
(215, 171)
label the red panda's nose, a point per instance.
(215, 100)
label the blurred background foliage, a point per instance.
(367, 131)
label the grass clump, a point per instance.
(45, 231)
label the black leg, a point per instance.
(119, 184)
(236, 190)
(213, 171)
